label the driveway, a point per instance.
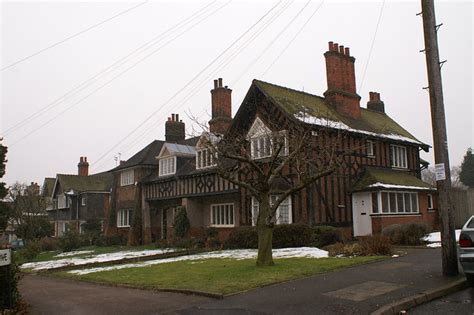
(58, 296)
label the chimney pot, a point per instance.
(347, 53)
(331, 46)
(177, 117)
(336, 47)
(215, 84)
(220, 82)
(341, 49)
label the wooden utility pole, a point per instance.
(440, 140)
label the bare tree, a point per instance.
(272, 161)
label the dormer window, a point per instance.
(167, 166)
(205, 158)
(264, 142)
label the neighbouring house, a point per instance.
(47, 192)
(377, 185)
(78, 198)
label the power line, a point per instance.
(372, 45)
(119, 75)
(88, 82)
(72, 36)
(293, 39)
(284, 29)
(219, 67)
(188, 83)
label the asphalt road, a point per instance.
(459, 303)
(57, 296)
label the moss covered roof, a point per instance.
(97, 182)
(371, 122)
(382, 178)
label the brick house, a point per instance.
(78, 198)
(377, 185)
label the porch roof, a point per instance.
(381, 178)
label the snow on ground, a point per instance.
(74, 253)
(238, 254)
(42, 265)
(434, 239)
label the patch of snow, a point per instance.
(74, 253)
(238, 254)
(389, 186)
(433, 245)
(43, 265)
(395, 256)
(313, 120)
(436, 237)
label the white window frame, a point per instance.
(429, 200)
(408, 198)
(127, 178)
(262, 146)
(124, 217)
(370, 148)
(205, 158)
(223, 215)
(285, 203)
(167, 166)
(83, 201)
(398, 156)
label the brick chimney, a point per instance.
(83, 166)
(221, 108)
(375, 103)
(340, 74)
(174, 129)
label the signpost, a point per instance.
(5, 263)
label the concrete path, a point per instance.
(57, 296)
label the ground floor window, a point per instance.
(61, 228)
(222, 214)
(430, 202)
(395, 202)
(124, 218)
(283, 214)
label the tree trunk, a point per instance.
(265, 236)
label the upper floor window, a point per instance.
(205, 158)
(265, 145)
(222, 215)
(283, 213)
(370, 148)
(83, 201)
(398, 156)
(430, 202)
(127, 178)
(167, 166)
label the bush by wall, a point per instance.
(242, 237)
(70, 240)
(181, 222)
(406, 234)
(324, 235)
(9, 295)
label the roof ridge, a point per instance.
(289, 89)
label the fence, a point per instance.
(463, 204)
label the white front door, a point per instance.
(361, 209)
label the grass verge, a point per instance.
(219, 276)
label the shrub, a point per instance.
(189, 243)
(9, 288)
(375, 245)
(48, 244)
(92, 231)
(181, 222)
(406, 234)
(31, 250)
(292, 235)
(242, 237)
(347, 250)
(69, 241)
(325, 235)
(110, 240)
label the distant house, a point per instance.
(78, 198)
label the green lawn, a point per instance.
(220, 276)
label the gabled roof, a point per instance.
(315, 110)
(174, 149)
(48, 186)
(101, 182)
(147, 155)
(381, 178)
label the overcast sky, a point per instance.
(145, 66)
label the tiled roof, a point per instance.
(382, 178)
(314, 109)
(97, 182)
(48, 186)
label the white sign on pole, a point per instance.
(5, 257)
(440, 172)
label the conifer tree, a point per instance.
(467, 169)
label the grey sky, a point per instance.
(93, 126)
